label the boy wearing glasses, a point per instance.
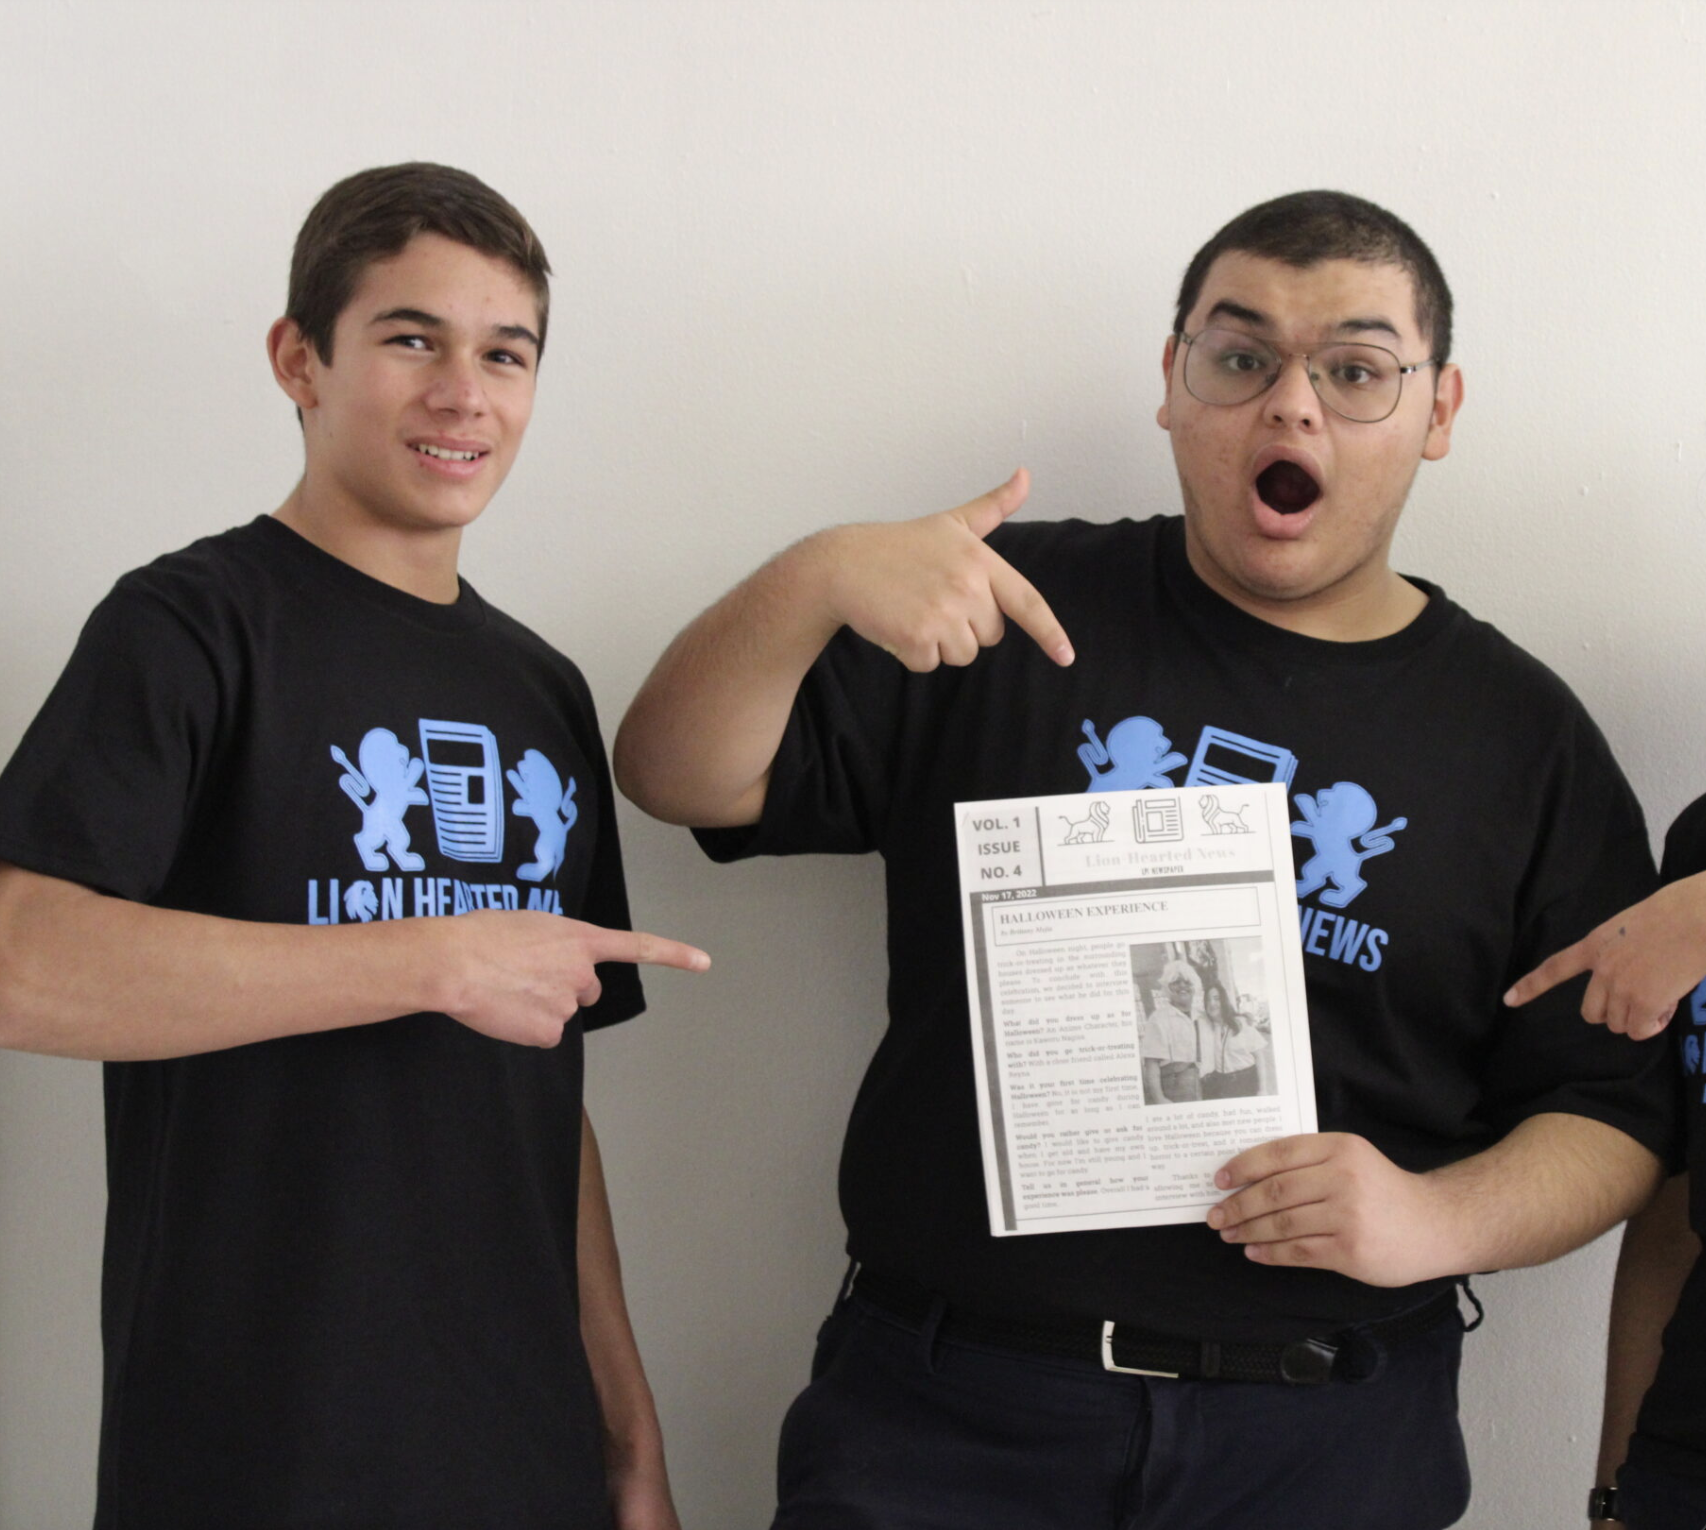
(1460, 814)
(359, 1267)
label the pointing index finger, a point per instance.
(646, 950)
(1019, 599)
(1571, 962)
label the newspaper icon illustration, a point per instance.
(466, 787)
(1230, 759)
(1156, 820)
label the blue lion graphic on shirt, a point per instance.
(542, 798)
(1339, 821)
(385, 786)
(1137, 755)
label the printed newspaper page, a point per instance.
(1137, 1005)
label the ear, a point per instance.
(1167, 353)
(295, 363)
(1448, 399)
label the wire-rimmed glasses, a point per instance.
(1358, 381)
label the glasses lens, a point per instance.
(1360, 381)
(1225, 367)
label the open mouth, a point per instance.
(445, 454)
(1287, 488)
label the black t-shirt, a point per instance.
(1671, 1431)
(340, 1282)
(1519, 834)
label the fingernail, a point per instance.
(1215, 1216)
(1220, 1178)
(701, 962)
(1064, 655)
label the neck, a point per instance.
(1374, 604)
(419, 562)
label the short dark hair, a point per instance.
(373, 214)
(1305, 228)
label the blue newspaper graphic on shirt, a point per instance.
(1135, 977)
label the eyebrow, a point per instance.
(1362, 325)
(432, 321)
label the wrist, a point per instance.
(435, 979)
(1450, 1235)
(633, 1441)
(814, 571)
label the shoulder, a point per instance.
(213, 571)
(193, 593)
(212, 564)
(518, 647)
(1530, 692)
(1084, 565)
(1079, 543)
(504, 630)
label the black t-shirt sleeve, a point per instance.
(623, 995)
(102, 784)
(829, 787)
(1685, 844)
(1591, 859)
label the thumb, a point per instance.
(983, 514)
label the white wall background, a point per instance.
(821, 260)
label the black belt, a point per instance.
(1130, 1350)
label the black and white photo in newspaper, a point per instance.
(1137, 1005)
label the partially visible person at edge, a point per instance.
(1294, 1361)
(359, 1269)
(1652, 1454)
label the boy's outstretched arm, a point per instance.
(86, 975)
(697, 744)
(1643, 961)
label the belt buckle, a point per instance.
(1308, 1362)
(1125, 1370)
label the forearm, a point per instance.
(633, 1440)
(698, 741)
(1552, 1184)
(1658, 1252)
(84, 975)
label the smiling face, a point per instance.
(414, 425)
(1290, 508)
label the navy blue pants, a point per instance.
(1650, 1499)
(902, 1431)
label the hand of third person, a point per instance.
(1642, 961)
(1333, 1201)
(931, 591)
